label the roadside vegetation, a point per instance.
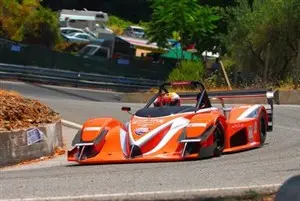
(188, 70)
(264, 39)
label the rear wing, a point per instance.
(271, 96)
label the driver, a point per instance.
(169, 99)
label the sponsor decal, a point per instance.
(141, 131)
(147, 121)
(34, 135)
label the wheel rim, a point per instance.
(219, 139)
(262, 131)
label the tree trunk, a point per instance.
(225, 75)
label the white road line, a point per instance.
(71, 124)
(271, 187)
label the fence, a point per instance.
(81, 79)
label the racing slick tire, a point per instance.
(219, 138)
(262, 129)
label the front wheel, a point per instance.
(219, 139)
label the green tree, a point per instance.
(186, 19)
(263, 37)
(28, 21)
(13, 16)
(41, 27)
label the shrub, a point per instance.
(188, 70)
(117, 24)
(41, 27)
(13, 14)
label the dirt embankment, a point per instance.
(17, 112)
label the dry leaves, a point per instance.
(17, 112)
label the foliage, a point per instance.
(184, 18)
(13, 16)
(29, 22)
(115, 21)
(187, 70)
(252, 28)
(41, 27)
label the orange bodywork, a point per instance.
(170, 137)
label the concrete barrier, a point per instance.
(291, 97)
(29, 144)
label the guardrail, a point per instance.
(64, 77)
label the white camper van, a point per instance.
(82, 19)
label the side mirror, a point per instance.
(126, 109)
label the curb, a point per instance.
(71, 124)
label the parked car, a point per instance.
(134, 31)
(69, 30)
(82, 37)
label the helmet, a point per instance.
(171, 99)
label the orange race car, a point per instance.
(166, 130)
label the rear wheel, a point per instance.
(219, 139)
(262, 129)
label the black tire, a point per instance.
(262, 129)
(219, 138)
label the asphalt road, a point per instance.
(278, 160)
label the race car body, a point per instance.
(175, 133)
